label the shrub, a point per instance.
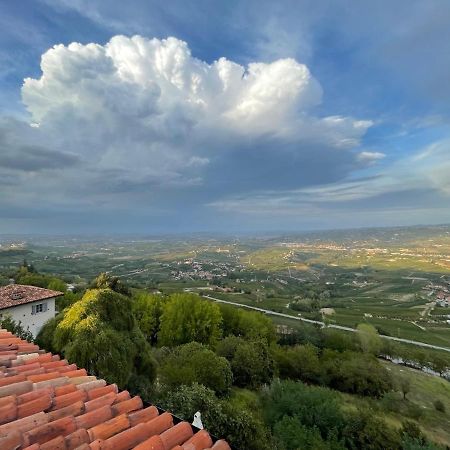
(439, 406)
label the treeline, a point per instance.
(406, 354)
(187, 354)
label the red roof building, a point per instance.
(20, 294)
(30, 305)
(48, 404)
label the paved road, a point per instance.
(322, 324)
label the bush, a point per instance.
(439, 406)
(236, 424)
(298, 363)
(311, 406)
(290, 434)
(195, 363)
(355, 373)
(251, 361)
(8, 323)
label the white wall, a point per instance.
(23, 314)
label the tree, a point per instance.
(195, 363)
(251, 361)
(106, 281)
(337, 340)
(311, 406)
(292, 435)
(100, 333)
(405, 385)
(298, 363)
(8, 323)
(187, 318)
(355, 373)
(250, 325)
(55, 284)
(147, 309)
(439, 363)
(46, 335)
(239, 426)
(369, 339)
(366, 431)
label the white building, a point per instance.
(31, 305)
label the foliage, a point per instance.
(355, 373)
(194, 362)
(311, 406)
(290, 434)
(106, 281)
(100, 333)
(366, 431)
(40, 280)
(8, 323)
(337, 340)
(439, 406)
(187, 318)
(369, 339)
(298, 363)
(246, 324)
(404, 384)
(45, 336)
(68, 299)
(251, 361)
(147, 309)
(236, 424)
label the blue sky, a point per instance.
(223, 116)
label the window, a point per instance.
(39, 308)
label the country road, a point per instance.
(322, 324)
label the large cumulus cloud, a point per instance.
(142, 120)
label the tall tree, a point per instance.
(100, 333)
(189, 318)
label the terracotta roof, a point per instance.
(19, 294)
(48, 404)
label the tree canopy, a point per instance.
(189, 318)
(100, 333)
(194, 362)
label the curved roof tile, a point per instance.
(48, 404)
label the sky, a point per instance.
(239, 116)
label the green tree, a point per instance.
(439, 363)
(404, 383)
(364, 430)
(298, 363)
(355, 373)
(237, 425)
(8, 323)
(106, 281)
(250, 325)
(100, 333)
(187, 318)
(251, 361)
(46, 335)
(147, 309)
(369, 339)
(290, 434)
(195, 363)
(311, 406)
(55, 284)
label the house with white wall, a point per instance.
(31, 305)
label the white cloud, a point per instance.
(370, 157)
(142, 120)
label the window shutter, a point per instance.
(44, 307)
(33, 309)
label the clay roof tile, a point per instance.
(47, 403)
